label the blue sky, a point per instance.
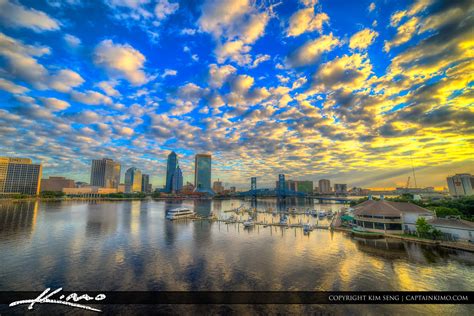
(314, 89)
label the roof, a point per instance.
(388, 208)
(452, 222)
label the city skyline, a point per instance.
(301, 88)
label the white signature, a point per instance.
(70, 300)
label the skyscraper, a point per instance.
(461, 184)
(133, 180)
(177, 180)
(170, 170)
(217, 186)
(145, 183)
(324, 186)
(105, 173)
(19, 175)
(202, 173)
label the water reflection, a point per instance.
(17, 219)
(88, 245)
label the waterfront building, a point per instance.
(187, 188)
(461, 185)
(202, 173)
(233, 189)
(217, 186)
(340, 188)
(133, 180)
(105, 173)
(324, 186)
(171, 165)
(454, 228)
(19, 176)
(89, 191)
(389, 217)
(177, 180)
(145, 183)
(56, 184)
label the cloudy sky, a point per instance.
(353, 91)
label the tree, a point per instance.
(422, 227)
(436, 233)
(443, 211)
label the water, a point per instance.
(129, 245)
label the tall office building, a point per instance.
(105, 173)
(170, 170)
(324, 186)
(461, 185)
(304, 186)
(19, 175)
(202, 173)
(133, 180)
(146, 183)
(177, 180)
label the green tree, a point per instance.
(422, 227)
(443, 211)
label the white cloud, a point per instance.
(122, 61)
(65, 80)
(55, 104)
(219, 75)
(372, 7)
(109, 88)
(16, 15)
(125, 131)
(362, 39)
(164, 8)
(169, 72)
(260, 58)
(312, 50)
(12, 87)
(305, 20)
(91, 98)
(72, 40)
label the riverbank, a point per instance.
(459, 245)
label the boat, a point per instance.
(362, 233)
(307, 228)
(284, 220)
(322, 214)
(179, 213)
(314, 213)
(249, 222)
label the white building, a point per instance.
(461, 185)
(454, 228)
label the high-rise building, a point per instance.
(170, 170)
(461, 184)
(105, 173)
(304, 186)
(145, 183)
(324, 186)
(202, 173)
(340, 188)
(56, 184)
(217, 186)
(177, 180)
(19, 175)
(133, 180)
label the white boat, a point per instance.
(307, 228)
(179, 213)
(284, 220)
(249, 222)
(322, 214)
(314, 213)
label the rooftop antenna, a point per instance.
(413, 170)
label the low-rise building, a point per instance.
(454, 228)
(389, 217)
(56, 184)
(88, 191)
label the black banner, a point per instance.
(237, 297)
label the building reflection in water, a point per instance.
(202, 207)
(17, 218)
(101, 219)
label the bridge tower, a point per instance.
(281, 189)
(253, 186)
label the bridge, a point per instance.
(282, 192)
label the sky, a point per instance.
(358, 92)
